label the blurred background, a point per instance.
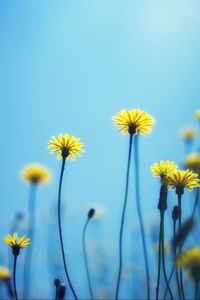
(68, 67)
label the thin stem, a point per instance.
(31, 232)
(177, 277)
(180, 246)
(14, 276)
(60, 228)
(9, 287)
(85, 258)
(123, 217)
(196, 290)
(163, 254)
(159, 263)
(139, 212)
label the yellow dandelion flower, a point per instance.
(133, 122)
(193, 162)
(181, 179)
(66, 145)
(197, 115)
(188, 133)
(35, 174)
(163, 168)
(16, 243)
(4, 273)
(190, 260)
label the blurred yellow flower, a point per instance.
(188, 133)
(190, 260)
(181, 179)
(36, 174)
(66, 145)
(133, 122)
(4, 273)
(16, 242)
(163, 168)
(193, 162)
(197, 115)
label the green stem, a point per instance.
(31, 232)
(180, 246)
(123, 218)
(14, 276)
(139, 212)
(163, 254)
(60, 228)
(85, 258)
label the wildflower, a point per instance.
(163, 168)
(197, 115)
(193, 162)
(16, 243)
(188, 133)
(4, 273)
(181, 179)
(66, 145)
(35, 174)
(190, 260)
(133, 122)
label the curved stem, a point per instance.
(14, 276)
(139, 212)
(159, 263)
(9, 287)
(31, 231)
(122, 218)
(180, 246)
(85, 258)
(163, 254)
(60, 228)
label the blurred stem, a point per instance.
(139, 212)
(180, 246)
(60, 227)
(85, 258)
(14, 276)
(196, 202)
(196, 289)
(31, 232)
(163, 253)
(9, 287)
(123, 217)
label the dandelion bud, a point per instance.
(61, 292)
(162, 205)
(91, 213)
(175, 213)
(57, 282)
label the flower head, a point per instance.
(181, 179)
(35, 174)
(197, 115)
(190, 260)
(66, 145)
(193, 162)
(163, 168)
(133, 122)
(188, 133)
(4, 273)
(16, 243)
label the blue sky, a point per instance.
(67, 67)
